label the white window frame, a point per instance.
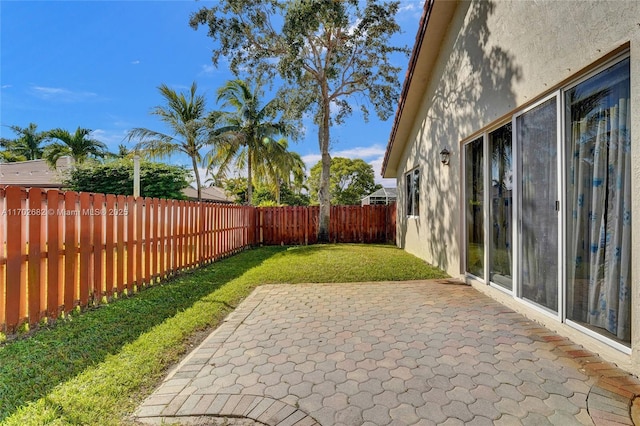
(410, 191)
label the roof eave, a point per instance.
(432, 28)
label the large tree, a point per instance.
(351, 180)
(248, 133)
(28, 145)
(186, 117)
(78, 145)
(326, 51)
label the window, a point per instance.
(413, 192)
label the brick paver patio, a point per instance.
(424, 353)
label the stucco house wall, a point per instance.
(484, 61)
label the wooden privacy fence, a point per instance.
(349, 224)
(59, 250)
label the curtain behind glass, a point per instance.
(599, 195)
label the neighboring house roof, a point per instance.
(34, 173)
(431, 32)
(382, 194)
(211, 194)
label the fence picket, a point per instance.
(119, 220)
(70, 250)
(98, 217)
(85, 248)
(110, 245)
(15, 266)
(3, 260)
(35, 276)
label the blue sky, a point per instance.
(97, 65)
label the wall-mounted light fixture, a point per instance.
(444, 156)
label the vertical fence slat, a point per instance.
(119, 219)
(111, 280)
(54, 267)
(3, 259)
(35, 281)
(99, 216)
(163, 246)
(70, 250)
(14, 257)
(150, 221)
(139, 266)
(179, 236)
(174, 235)
(85, 247)
(129, 214)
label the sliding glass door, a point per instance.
(598, 234)
(537, 139)
(570, 151)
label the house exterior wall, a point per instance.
(497, 57)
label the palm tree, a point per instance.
(185, 116)
(248, 133)
(78, 146)
(28, 145)
(281, 167)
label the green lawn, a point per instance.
(97, 367)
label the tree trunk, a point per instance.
(249, 178)
(324, 193)
(197, 175)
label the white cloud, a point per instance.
(6, 86)
(208, 69)
(62, 94)
(377, 169)
(411, 7)
(374, 155)
(310, 160)
(136, 62)
(111, 138)
(361, 152)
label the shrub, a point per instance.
(157, 180)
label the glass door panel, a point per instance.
(501, 207)
(537, 139)
(474, 207)
(598, 194)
